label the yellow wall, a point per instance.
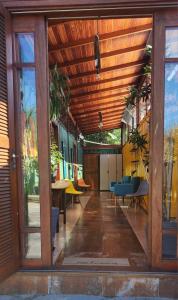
(174, 196)
(128, 167)
(129, 156)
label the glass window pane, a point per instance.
(26, 47)
(30, 147)
(171, 42)
(33, 245)
(170, 192)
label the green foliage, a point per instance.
(148, 50)
(131, 99)
(56, 156)
(147, 70)
(31, 175)
(112, 137)
(145, 91)
(138, 140)
(136, 95)
(59, 94)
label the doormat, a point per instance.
(83, 261)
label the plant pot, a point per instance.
(52, 178)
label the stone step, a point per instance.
(73, 297)
(100, 284)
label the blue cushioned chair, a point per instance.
(123, 189)
(125, 179)
(142, 190)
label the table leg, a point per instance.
(64, 207)
(59, 210)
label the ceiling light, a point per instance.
(97, 52)
(100, 125)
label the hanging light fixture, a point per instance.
(97, 53)
(100, 125)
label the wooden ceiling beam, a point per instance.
(84, 104)
(117, 87)
(91, 84)
(109, 69)
(103, 55)
(86, 132)
(99, 109)
(90, 115)
(76, 102)
(105, 121)
(114, 124)
(94, 117)
(98, 105)
(103, 37)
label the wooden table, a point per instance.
(59, 186)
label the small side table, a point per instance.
(60, 186)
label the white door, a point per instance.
(104, 172)
(110, 169)
(119, 166)
(112, 163)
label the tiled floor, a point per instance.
(138, 220)
(65, 230)
(102, 239)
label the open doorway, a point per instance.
(101, 70)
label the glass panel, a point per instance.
(26, 47)
(30, 147)
(170, 192)
(172, 42)
(33, 245)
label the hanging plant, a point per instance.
(55, 156)
(145, 91)
(131, 99)
(59, 94)
(138, 140)
(147, 70)
(148, 50)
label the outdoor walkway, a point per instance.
(102, 239)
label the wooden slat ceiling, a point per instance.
(122, 48)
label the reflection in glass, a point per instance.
(170, 192)
(26, 47)
(33, 245)
(172, 42)
(30, 147)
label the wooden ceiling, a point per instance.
(122, 49)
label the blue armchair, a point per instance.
(125, 179)
(127, 188)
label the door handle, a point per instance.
(14, 156)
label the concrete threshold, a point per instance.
(98, 284)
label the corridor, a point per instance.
(102, 239)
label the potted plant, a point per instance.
(138, 140)
(56, 156)
(59, 94)
(133, 96)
